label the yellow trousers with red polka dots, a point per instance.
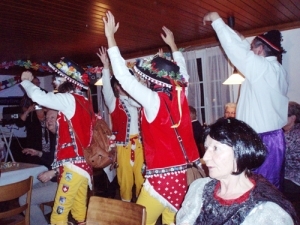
(71, 196)
(129, 174)
(154, 209)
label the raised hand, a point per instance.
(210, 17)
(110, 28)
(169, 38)
(27, 75)
(161, 53)
(103, 57)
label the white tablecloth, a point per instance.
(23, 171)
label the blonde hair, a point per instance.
(230, 105)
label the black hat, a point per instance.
(273, 39)
(71, 71)
(160, 71)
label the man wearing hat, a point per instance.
(124, 112)
(75, 175)
(263, 102)
(165, 112)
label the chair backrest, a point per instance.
(13, 191)
(108, 211)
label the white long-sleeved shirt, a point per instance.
(143, 95)
(263, 101)
(64, 103)
(110, 101)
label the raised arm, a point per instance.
(210, 17)
(102, 54)
(110, 29)
(108, 94)
(177, 55)
(169, 39)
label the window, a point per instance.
(208, 68)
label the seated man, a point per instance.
(46, 189)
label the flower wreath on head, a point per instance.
(151, 67)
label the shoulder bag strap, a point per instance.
(178, 136)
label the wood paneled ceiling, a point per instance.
(43, 30)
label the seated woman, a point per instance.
(291, 184)
(232, 194)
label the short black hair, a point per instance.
(114, 82)
(66, 87)
(249, 150)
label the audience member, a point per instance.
(229, 110)
(165, 185)
(46, 189)
(232, 194)
(33, 118)
(37, 135)
(197, 131)
(124, 112)
(292, 155)
(263, 101)
(74, 173)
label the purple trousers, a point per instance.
(273, 167)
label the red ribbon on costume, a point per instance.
(132, 141)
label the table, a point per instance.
(23, 171)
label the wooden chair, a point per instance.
(13, 191)
(107, 211)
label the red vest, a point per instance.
(121, 123)
(69, 150)
(166, 165)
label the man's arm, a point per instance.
(108, 94)
(235, 46)
(61, 102)
(147, 98)
(110, 29)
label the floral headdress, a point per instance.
(160, 71)
(71, 71)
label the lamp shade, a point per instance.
(99, 82)
(234, 78)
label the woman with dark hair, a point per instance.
(232, 194)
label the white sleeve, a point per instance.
(63, 102)
(192, 203)
(238, 50)
(180, 61)
(108, 94)
(146, 97)
(268, 213)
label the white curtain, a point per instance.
(194, 91)
(214, 72)
(216, 94)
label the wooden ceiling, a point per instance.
(44, 30)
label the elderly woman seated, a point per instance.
(232, 194)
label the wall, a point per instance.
(291, 61)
